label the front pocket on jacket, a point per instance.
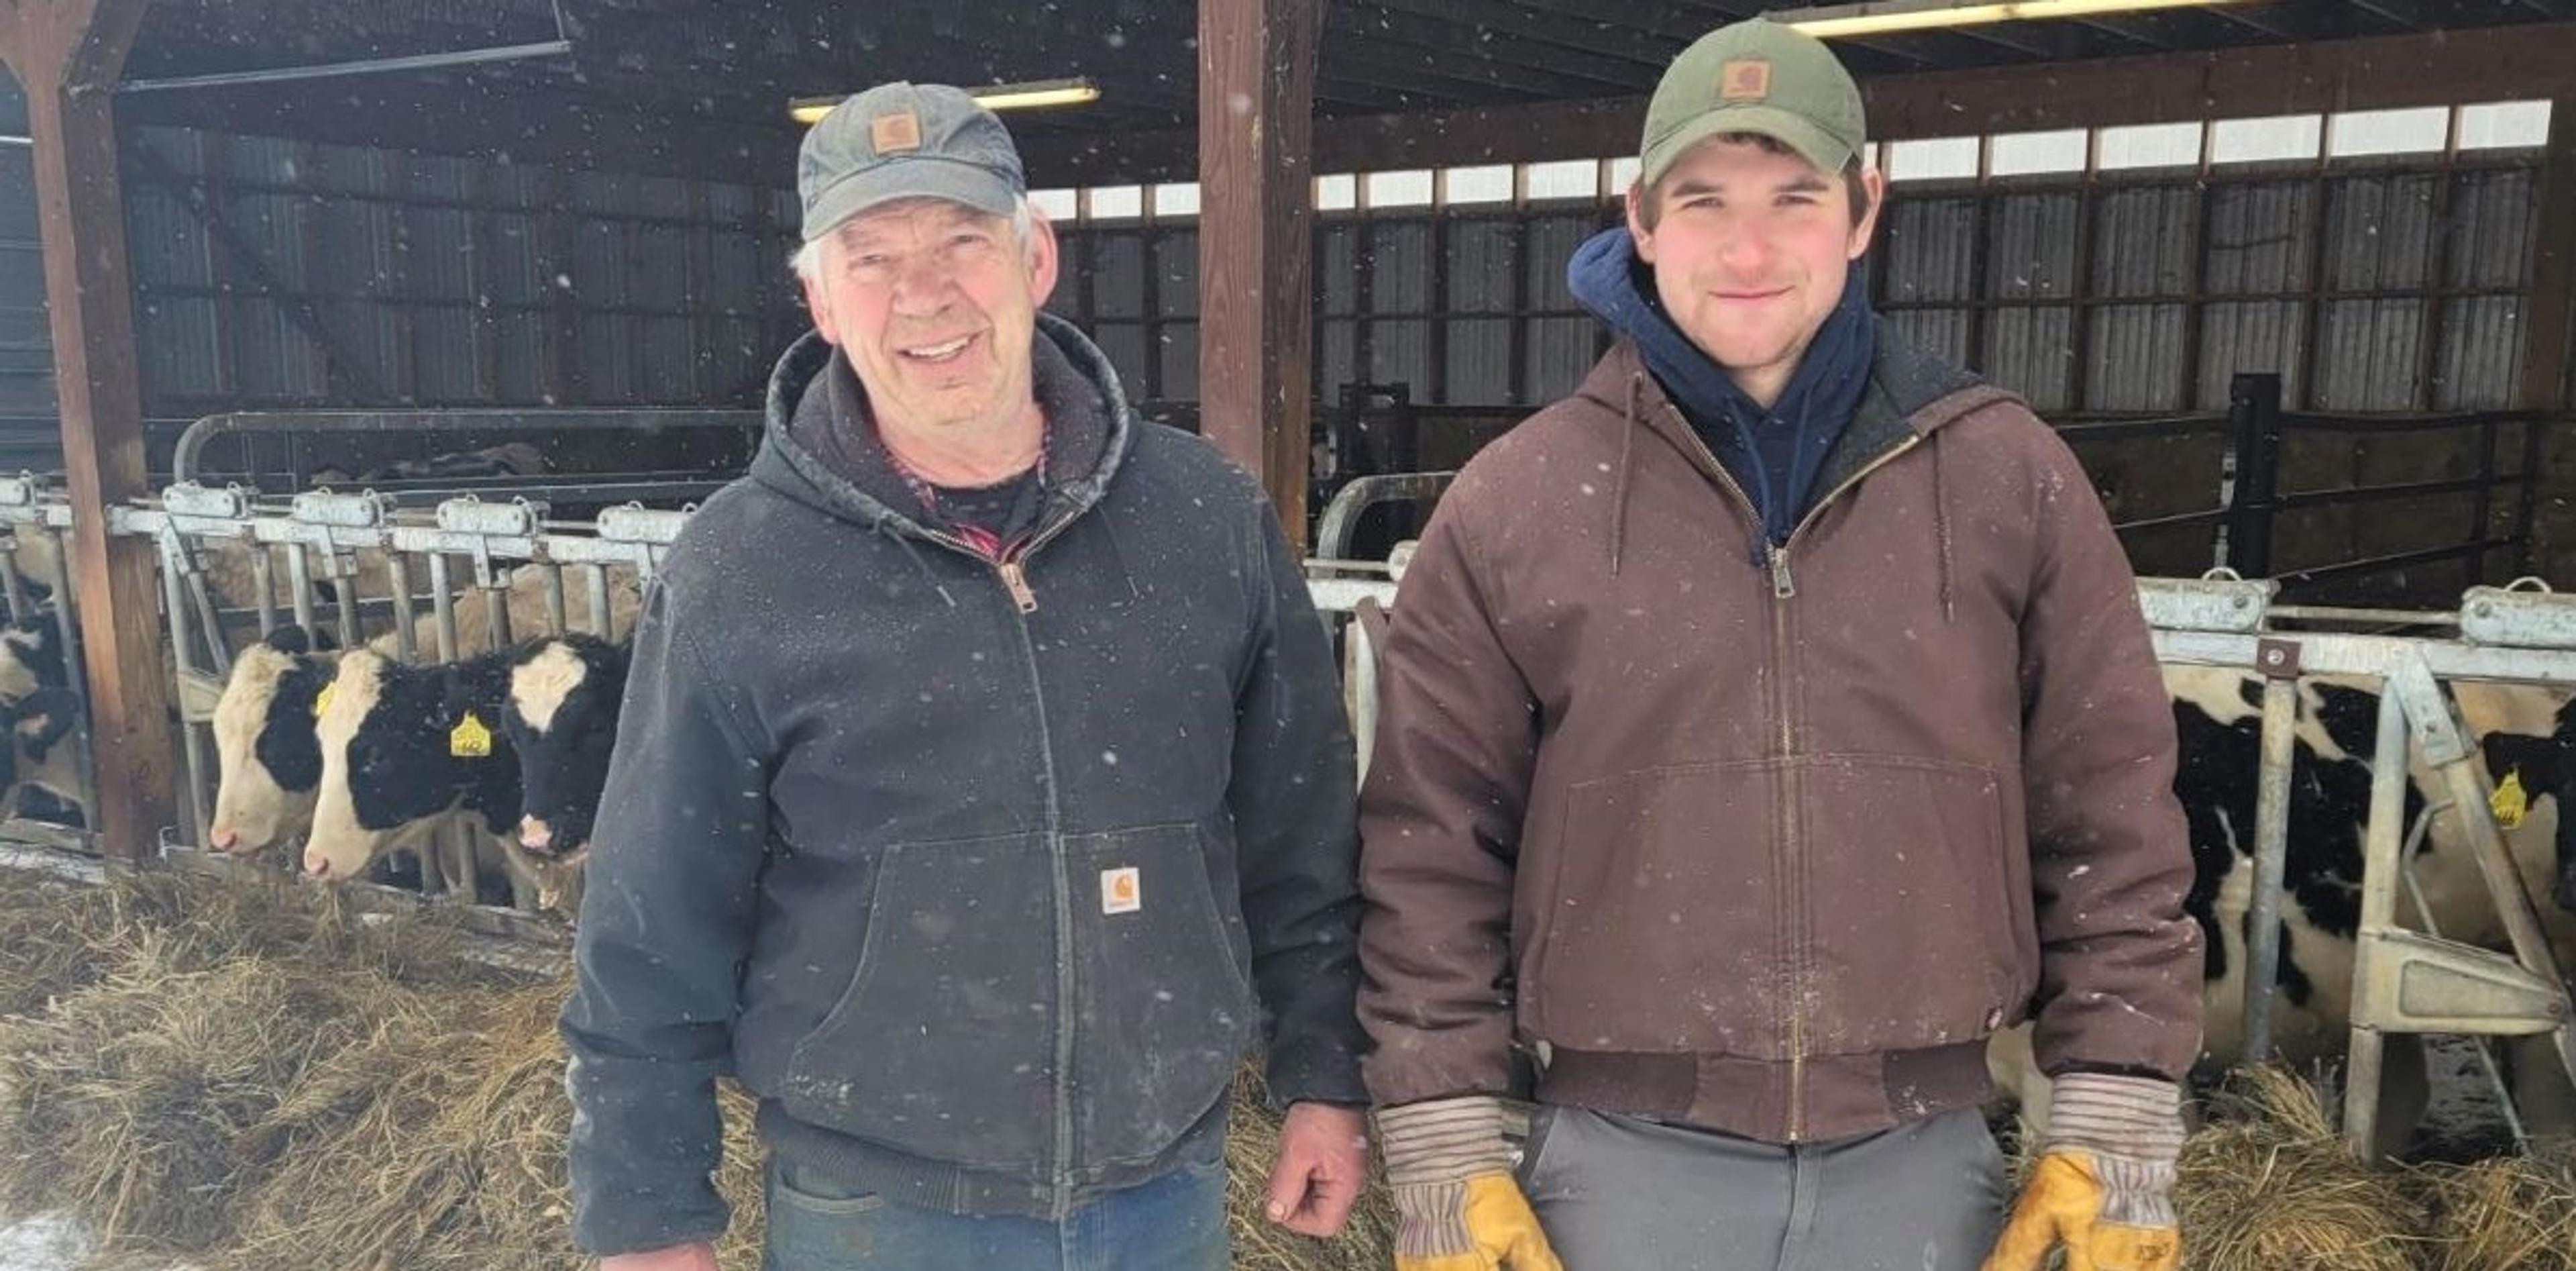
(944, 1043)
(1909, 944)
(1661, 916)
(1163, 1014)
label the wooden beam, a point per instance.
(1256, 190)
(2550, 322)
(67, 55)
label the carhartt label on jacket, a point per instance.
(1120, 891)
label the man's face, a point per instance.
(1750, 247)
(936, 304)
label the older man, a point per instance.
(981, 781)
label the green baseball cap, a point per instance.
(1760, 77)
(906, 141)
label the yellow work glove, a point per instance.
(2103, 1187)
(1456, 1206)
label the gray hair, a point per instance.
(808, 260)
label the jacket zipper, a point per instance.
(1012, 567)
(1015, 580)
(1785, 848)
(1013, 572)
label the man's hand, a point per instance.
(697, 1257)
(1323, 1163)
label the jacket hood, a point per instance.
(815, 402)
(1776, 450)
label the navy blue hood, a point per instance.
(1774, 453)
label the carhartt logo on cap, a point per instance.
(1744, 80)
(898, 131)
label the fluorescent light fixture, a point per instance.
(1034, 95)
(1882, 17)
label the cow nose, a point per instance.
(225, 840)
(535, 835)
(317, 865)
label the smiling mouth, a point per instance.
(938, 353)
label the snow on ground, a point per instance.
(46, 1243)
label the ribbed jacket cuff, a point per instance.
(2136, 1117)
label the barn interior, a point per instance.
(2295, 278)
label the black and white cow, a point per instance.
(405, 749)
(269, 762)
(38, 759)
(269, 766)
(2218, 722)
(562, 719)
(31, 656)
(2546, 766)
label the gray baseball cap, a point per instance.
(906, 141)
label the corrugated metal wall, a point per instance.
(278, 274)
(2409, 277)
(27, 414)
(275, 274)
(1467, 307)
(2121, 294)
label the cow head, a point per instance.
(269, 765)
(403, 745)
(2544, 766)
(562, 720)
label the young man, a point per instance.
(981, 779)
(1762, 728)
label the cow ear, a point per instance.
(289, 639)
(2537, 758)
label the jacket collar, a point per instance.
(1910, 395)
(814, 395)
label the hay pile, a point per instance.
(245, 1076)
(2508, 1212)
(2267, 1184)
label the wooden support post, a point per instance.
(2550, 323)
(1256, 191)
(67, 55)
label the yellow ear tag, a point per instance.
(322, 700)
(470, 739)
(2511, 801)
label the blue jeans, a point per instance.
(1172, 1223)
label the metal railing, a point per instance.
(188, 462)
(2250, 502)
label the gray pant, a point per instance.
(1621, 1194)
